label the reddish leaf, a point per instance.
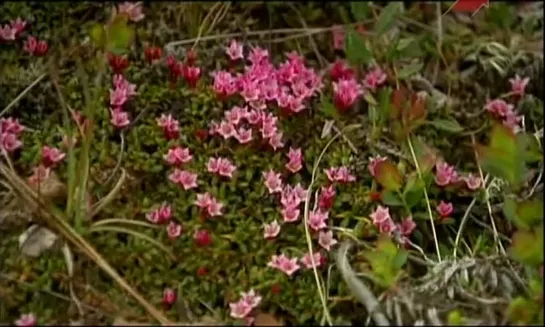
(388, 176)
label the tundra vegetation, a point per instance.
(271, 163)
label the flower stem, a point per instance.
(427, 199)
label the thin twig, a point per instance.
(430, 213)
(22, 94)
(487, 199)
(119, 159)
(464, 220)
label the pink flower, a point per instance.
(169, 296)
(203, 200)
(26, 320)
(290, 214)
(373, 162)
(340, 70)
(202, 238)
(345, 93)
(133, 10)
(160, 215)
(284, 264)
(326, 197)
(214, 208)
(170, 126)
(7, 33)
(444, 209)
(317, 219)
(518, 85)
(9, 142)
(226, 129)
(224, 84)
(11, 125)
(121, 83)
(258, 55)
(338, 37)
(380, 215)
(118, 97)
(244, 135)
(254, 117)
(293, 196)
(51, 156)
(499, 108)
(374, 79)
(183, 178)
(473, 182)
(271, 230)
(234, 51)
(445, 174)
(307, 259)
(18, 25)
(339, 174)
(273, 182)
(276, 141)
(326, 240)
(250, 298)
(221, 166)
(387, 226)
(236, 114)
(39, 174)
(174, 230)
(240, 309)
(119, 118)
(407, 226)
(178, 156)
(295, 160)
(512, 121)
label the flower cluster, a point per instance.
(504, 112)
(122, 92)
(170, 126)
(132, 10)
(11, 31)
(385, 224)
(27, 320)
(190, 73)
(162, 215)
(210, 206)
(339, 174)
(243, 307)
(35, 47)
(178, 156)
(51, 156)
(221, 166)
(446, 175)
(10, 129)
(347, 90)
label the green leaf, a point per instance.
(385, 102)
(527, 247)
(388, 176)
(386, 18)
(503, 138)
(360, 10)
(327, 107)
(357, 52)
(399, 259)
(391, 199)
(448, 125)
(120, 36)
(409, 70)
(98, 35)
(528, 213)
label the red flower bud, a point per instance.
(118, 63)
(202, 238)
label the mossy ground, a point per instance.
(467, 71)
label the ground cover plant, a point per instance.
(271, 163)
